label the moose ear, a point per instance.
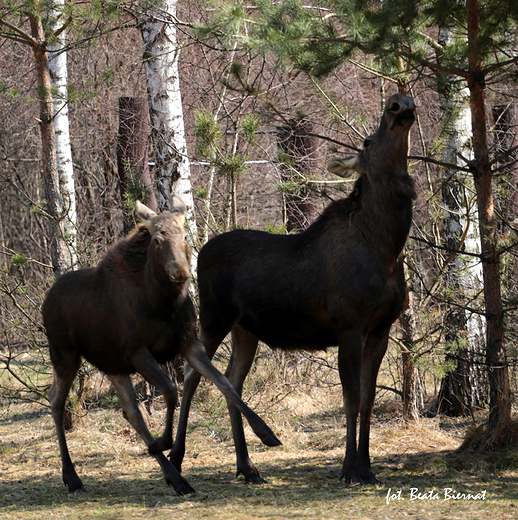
(145, 213)
(178, 208)
(177, 204)
(344, 167)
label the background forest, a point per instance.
(270, 94)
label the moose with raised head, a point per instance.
(340, 282)
(127, 315)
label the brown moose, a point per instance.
(340, 282)
(127, 315)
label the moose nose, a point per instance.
(179, 273)
(402, 104)
(402, 110)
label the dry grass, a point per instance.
(478, 438)
(122, 481)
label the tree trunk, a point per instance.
(406, 320)
(301, 150)
(505, 140)
(132, 157)
(161, 54)
(461, 388)
(48, 138)
(499, 391)
(59, 78)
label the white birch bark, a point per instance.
(59, 78)
(461, 208)
(161, 54)
(461, 217)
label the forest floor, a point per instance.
(422, 473)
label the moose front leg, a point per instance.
(126, 393)
(150, 370)
(349, 365)
(375, 348)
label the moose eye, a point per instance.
(159, 237)
(367, 142)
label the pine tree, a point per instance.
(37, 38)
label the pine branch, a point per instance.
(18, 36)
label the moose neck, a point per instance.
(389, 190)
(387, 210)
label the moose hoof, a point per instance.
(271, 441)
(355, 479)
(370, 479)
(256, 479)
(74, 484)
(351, 478)
(352, 482)
(184, 488)
(252, 475)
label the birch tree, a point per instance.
(161, 55)
(59, 79)
(460, 389)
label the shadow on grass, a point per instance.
(31, 415)
(291, 483)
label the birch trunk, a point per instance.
(161, 54)
(59, 79)
(461, 388)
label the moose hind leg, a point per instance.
(244, 348)
(64, 374)
(126, 393)
(197, 357)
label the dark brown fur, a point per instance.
(340, 282)
(127, 315)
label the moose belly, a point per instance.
(287, 330)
